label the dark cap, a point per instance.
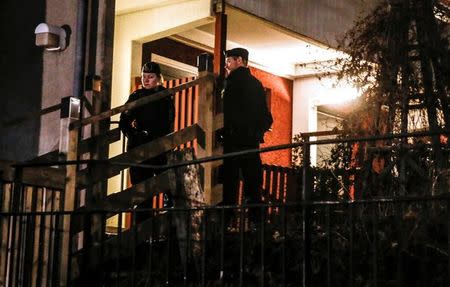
(237, 52)
(151, 67)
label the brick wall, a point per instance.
(281, 108)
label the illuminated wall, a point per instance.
(133, 29)
(281, 108)
(311, 92)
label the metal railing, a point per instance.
(315, 240)
(376, 242)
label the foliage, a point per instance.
(398, 243)
(398, 57)
(297, 153)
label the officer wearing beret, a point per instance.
(246, 119)
(149, 122)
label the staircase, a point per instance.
(65, 242)
(55, 207)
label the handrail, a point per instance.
(135, 104)
(240, 153)
(142, 152)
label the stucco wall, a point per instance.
(60, 77)
(310, 92)
(35, 80)
(321, 20)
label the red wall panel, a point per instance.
(281, 108)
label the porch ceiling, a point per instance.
(127, 6)
(271, 48)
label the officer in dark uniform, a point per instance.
(149, 122)
(246, 119)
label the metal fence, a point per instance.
(376, 242)
(391, 230)
(30, 230)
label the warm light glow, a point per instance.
(332, 92)
(134, 26)
(284, 60)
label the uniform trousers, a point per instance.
(250, 167)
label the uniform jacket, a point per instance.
(153, 120)
(246, 116)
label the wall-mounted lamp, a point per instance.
(51, 37)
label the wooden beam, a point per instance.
(205, 148)
(127, 198)
(70, 198)
(137, 193)
(36, 176)
(39, 176)
(134, 104)
(44, 177)
(50, 156)
(55, 177)
(4, 228)
(91, 143)
(220, 38)
(6, 170)
(140, 153)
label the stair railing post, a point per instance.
(68, 148)
(306, 222)
(209, 122)
(14, 252)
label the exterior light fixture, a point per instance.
(51, 37)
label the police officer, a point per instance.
(246, 119)
(148, 122)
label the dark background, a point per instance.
(21, 79)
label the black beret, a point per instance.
(151, 67)
(237, 52)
